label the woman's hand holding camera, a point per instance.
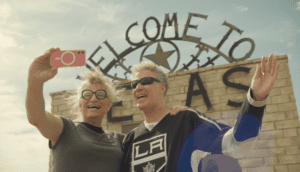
(40, 69)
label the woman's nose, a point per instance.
(94, 98)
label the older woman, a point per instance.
(76, 146)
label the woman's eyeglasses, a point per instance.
(88, 94)
(143, 81)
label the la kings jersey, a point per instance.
(179, 142)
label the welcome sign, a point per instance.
(161, 58)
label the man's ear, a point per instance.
(163, 87)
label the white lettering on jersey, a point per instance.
(149, 154)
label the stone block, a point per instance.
(264, 144)
(275, 92)
(270, 134)
(56, 102)
(117, 127)
(176, 83)
(215, 100)
(280, 83)
(296, 115)
(116, 112)
(131, 111)
(54, 109)
(289, 159)
(267, 126)
(133, 104)
(286, 90)
(287, 124)
(270, 161)
(172, 104)
(104, 121)
(292, 98)
(280, 99)
(294, 167)
(230, 114)
(209, 71)
(221, 84)
(291, 132)
(278, 151)
(289, 114)
(283, 74)
(63, 108)
(287, 106)
(212, 78)
(251, 162)
(197, 102)
(65, 113)
(291, 150)
(181, 90)
(219, 92)
(57, 97)
(211, 85)
(289, 81)
(202, 109)
(214, 115)
(273, 117)
(286, 141)
(126, 104)
(138, 118)
(173, 91)
(261, 169)
(182, 77)
(231, 90)
(281, 168)
(179, 97)
(272, 108)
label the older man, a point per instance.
(172, 143)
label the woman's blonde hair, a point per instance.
(158, 72)
(74, 97)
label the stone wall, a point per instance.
(278, 147)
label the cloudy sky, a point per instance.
(29, 27)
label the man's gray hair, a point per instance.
(74, 97)
(158, 72)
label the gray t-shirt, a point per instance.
(80, 149)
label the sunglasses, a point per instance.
(88, 94)
(143, 81)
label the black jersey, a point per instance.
(179, 142)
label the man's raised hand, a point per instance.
(264, 78)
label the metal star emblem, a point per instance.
(160, 57)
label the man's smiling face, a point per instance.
(152, 93)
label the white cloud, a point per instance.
(6, 41)
(290, 44)
(5, 11)
(241, 8)
(108, 12)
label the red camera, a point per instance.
(68, 58)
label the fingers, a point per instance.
(263, 65)
(258, 71)
(276, 70)
(174, 110)
(274, 66)
(269, 65)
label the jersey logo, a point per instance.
(149, 155)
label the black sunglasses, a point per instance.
(143, 81)
(88, 94)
